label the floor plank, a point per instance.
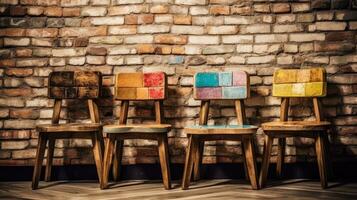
(205, 189)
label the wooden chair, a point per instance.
(224, 85)
(137, 87)
(70, 85)
(290, 83)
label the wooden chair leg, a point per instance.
(97, 153)
(163, 148)
(280, 158)
(321, 158)
(108, 155)
(265, 162)
(49, 159)
(198, 161)
(248, 146)
(41, 147)
(246, 175)
(118, 154)
(192, 145)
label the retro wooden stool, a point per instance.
(297, 83)
(218, 86)
(70, 85)
(137, 87)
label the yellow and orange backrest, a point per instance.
(299, 82)
(140, 86)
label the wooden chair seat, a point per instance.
(142, 128)
(296, 126)
(70, 127)
(221, 129)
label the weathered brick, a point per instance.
(333, 46)
(94, 11)
(170, 39)
(307, 37)
(73, 3)
(16, 41)
(195, 30)
(219, 10)
(83, 31)
(203, 39)
(271, 38)
(260, 59)
(159, 9)
(215, 30)
(262, 8)
(320, 4)
(191, 2)
(107, 20)
(258, 28)
(280, 8)
(71, 12)
(35, 10)
(127, 9)
(218, 49)
(53, 11)
(153, 29)
(331, 26)
(287, 28)
(17, 11)
(182, 19)
(46, 32)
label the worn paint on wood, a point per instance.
(129, 80)
(308, 83)
(74, 84)
(239, 92)
(225, 79)
(240, 78)
(208, 93)
(140, 86)
(206, 79)
(221, 85)
(156, 79)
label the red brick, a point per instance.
(7, 63)
(131, 19)
(280, 8)
(26, 113)
(53, 11)
(100, 51)
(146, 19)
(23, 52)
(15, 134)
(71, 12)
(19, 72)
(182, 19)
(45, 32)
(17, 11)
(170, 39)
(13, 32)
(16, 92)
(145, 49)
(219, 10)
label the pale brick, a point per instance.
(66, 52)
(32, 63)
(287, 18)
(14, 144)
(77, 60)
(83, 31)
(57, 62)
(118, 50)
(118, 2)
(153, 29)
(237, 39)
(290, 48)
(324, 16)
(135, 60)
(16, 41)
(331, 26)
(127, 9)
(115, 60)
(203, 39)
(137, 39)
(300, 7)
(192, 49)
(352, 25)
(193, 30)
(122, 30)
(238, 20)
(244, 48)
(198, 10)
(191, 2)
(12, 102)
(260, 59)
(218, 49)
(19, 124)
(43, 42)
(73, 3)
(117, 20)
(216, 30)
(317, 59)
(236, 60)
(285, 60)
(95, 60)
(207, 20)
(271, 38)
(106, 40)
(100, 2)
(308, 17)
(287, 28)
(163, 19)
(258, 28)
(307, 37)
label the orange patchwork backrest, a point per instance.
(140, 86)
(74, 85)
(299, 82)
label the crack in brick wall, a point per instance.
(179, 37)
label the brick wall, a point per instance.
(179, 37)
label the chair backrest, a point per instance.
(299, 82)
(74, 85)
(140, 87)
(221, 85)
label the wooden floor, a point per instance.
(205, 189)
